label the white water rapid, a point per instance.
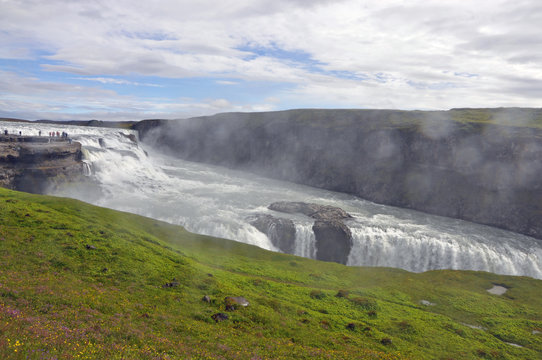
(217, 201)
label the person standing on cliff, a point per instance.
(39, 132)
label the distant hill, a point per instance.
(13, 120)
(95, 123)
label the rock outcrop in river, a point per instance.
(32, 164)
(459, 163)
(280, 231)
(333, 237)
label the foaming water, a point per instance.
(421, 247)
(305, 242)
(217, 201)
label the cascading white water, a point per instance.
(87, 168)
(305, 242)
(217, 201)
(418, 248)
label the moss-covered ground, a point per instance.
(79, 281)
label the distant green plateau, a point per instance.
(83, 282)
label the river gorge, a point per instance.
(136, 177)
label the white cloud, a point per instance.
(117, 81)
(415, 54)
(226, 82)
(29, 98)
(272, 100)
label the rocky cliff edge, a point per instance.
(33, 164)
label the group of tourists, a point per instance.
(63, 134)
(57, 134)
(7, 133)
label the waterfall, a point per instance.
(424, 249)
(87, 168)
(305, 243)
(216, 201)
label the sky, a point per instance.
(133, 60)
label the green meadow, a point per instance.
(83, 282)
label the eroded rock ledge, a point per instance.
(315, 211)
(280, 231)
(333, 237)
(33, 164)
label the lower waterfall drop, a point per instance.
(305, 243)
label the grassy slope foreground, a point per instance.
(78, 281)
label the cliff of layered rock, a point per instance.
(481, 165)
(32, 164)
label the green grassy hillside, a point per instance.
(79, 281)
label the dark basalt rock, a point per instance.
(386, 341)
(35, 164)
(220, 317)
(333, 240)
(280, 231)
(330, 213)
(173, 283)
(293, 207)
(333, 237)
(315, 211)
(131, 137)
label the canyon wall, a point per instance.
(480, 165)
